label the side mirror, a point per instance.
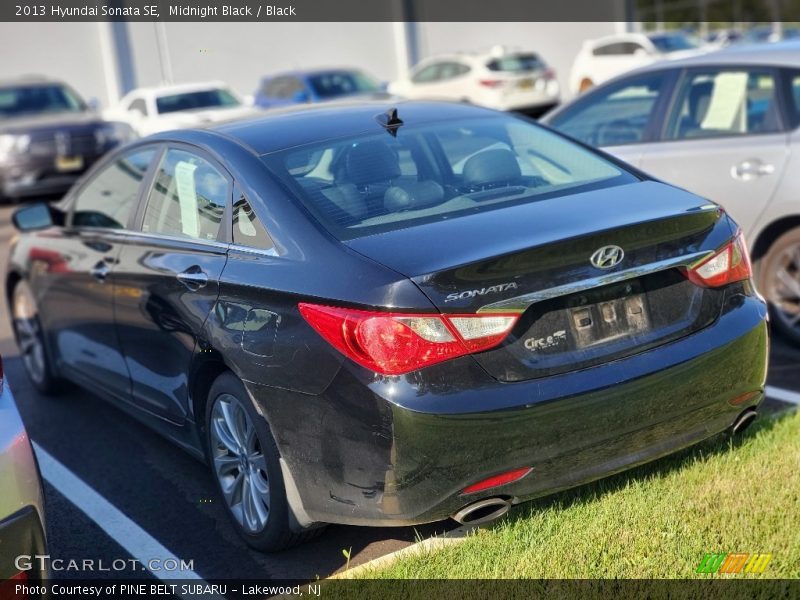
(93, 104)
(300, 96)
(33, 217)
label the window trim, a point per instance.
(688, 72)
(224, 233)
(238, 193)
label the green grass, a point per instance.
(655, 521)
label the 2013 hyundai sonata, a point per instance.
(385, 315)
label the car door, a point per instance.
(71, 273)
(167, 276)
(621, 117)
(725, 139)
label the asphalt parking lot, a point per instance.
(146, 496)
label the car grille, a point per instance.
(65, 143)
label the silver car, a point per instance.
(724, 126)
(22, 534)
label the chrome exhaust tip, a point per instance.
(743, 421)
(482, 511)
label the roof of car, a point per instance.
(163, 90)
(29, 80)
(301, 124)
(779, 54)
(312, 72)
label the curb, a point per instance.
(455, 536)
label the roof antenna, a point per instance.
(390, 121)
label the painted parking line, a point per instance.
(135, 540)
(783, 395)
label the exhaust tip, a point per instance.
(743, 421)
(482, 511)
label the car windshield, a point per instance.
(343, 83)
(213, 98)
(366, 184)
(673, 42)
(516, 63)
(35, 99)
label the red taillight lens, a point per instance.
(491, 83)
(731, 263)
(397, 343)
(9, 586)
(549, 74)
(497, 480)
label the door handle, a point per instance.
(750, 169)
(100, 271)
(193, 278)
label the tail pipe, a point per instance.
(482, 511)
(743, 421)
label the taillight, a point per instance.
(491, 83)
(397, 343)
(8, 588)
(727, 265)
(548, 74)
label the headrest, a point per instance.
(412, 196)
(491, 167)
(370, 162)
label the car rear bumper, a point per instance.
(399, 450)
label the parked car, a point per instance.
(386, 315)
(725, 126)
(150, 110)
(318, 85)
(604, 58)
(22, 532)
(48, 137)
(502, 79)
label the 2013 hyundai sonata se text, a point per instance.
(389, 315)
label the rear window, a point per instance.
(216, 98)
(516, 63)
(373, 183)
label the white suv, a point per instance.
(499, 79)
(601, 59)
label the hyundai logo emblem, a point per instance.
(607, 257)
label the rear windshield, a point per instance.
(196, 101)
(375, 182)
(673, 43)
(35, 99)
(516, 63)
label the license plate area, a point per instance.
(69, 163)
(609, 320)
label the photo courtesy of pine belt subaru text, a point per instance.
(390, 314)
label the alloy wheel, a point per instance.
(239, 463)
(784, 287)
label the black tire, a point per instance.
(276, 534)
(778, 280)
(31, 342)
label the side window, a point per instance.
(723, 103)
(109, 198)
(450, 70)
(428, 74)
(187, 198)
(614, 116)
(283, 87)
(247, 229)
(614, 49)
(794, 96)
(140, 105)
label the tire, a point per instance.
(28, 333)
(256, 502)
(778, 280)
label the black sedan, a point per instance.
(371, 315)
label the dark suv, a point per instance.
(48, 137)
